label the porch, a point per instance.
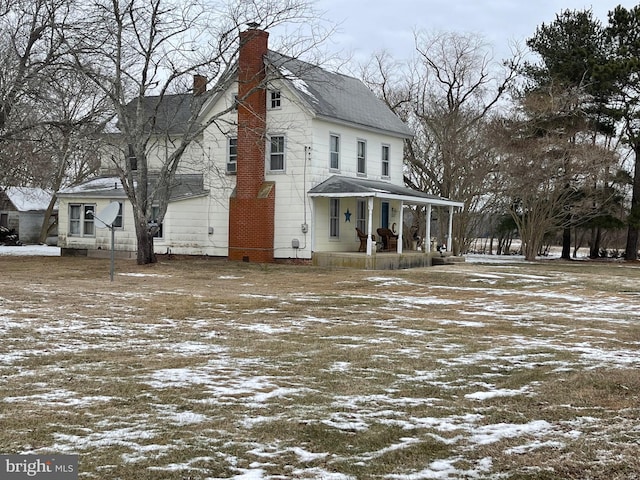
(383, 260)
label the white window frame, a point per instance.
(277, 154)
(334, 153)
(361, 156)
(362, 214)
(232, 158)
(275, 99)
(118, 222)
(334, 218)
(385, 162)
(85, 223)
(160, 233)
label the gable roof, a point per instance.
(171, 113)
(28, 199)
(336, 97)
(339, 186)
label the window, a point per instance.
(334, 217)
(334, 152)
(276, 153)
(235, 101)
(385, 160)
(361, 215)
(154, 222)
(362, 157)
(132, 160)
(4, 220)
(275, 99)
(81, 222)
(119, 221)
(232, 155)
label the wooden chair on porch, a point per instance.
(389, 240)
(363, 240)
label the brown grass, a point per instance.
(201, 368)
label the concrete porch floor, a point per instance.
(383, 260)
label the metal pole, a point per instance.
(113, 240)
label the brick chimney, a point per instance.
(199, 84)
(252, 204)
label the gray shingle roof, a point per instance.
(184, 186)
(171, 113)
(338, 185)
(337, 97)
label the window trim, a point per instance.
(160, 233)
(83, 220)
(362, 210)
(229, 156)
(361, 160)
(385, 161)
(332, 152)
(120, 216)
(275, 99)
(334, 218)
(271, 154)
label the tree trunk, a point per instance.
(631, 251)
(145, 244)
(566, 243)
(594, 248)
(46, 227)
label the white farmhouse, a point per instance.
(301, 159)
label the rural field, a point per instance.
(205, 369)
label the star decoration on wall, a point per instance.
(347, 216)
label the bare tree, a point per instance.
(548, 174)
(447, 98)
(30, 49)
(140, 54)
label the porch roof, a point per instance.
(339, 187)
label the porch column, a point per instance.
(400, 221)
(426, 243)
(450, 238)
(369, 225)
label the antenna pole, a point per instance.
(113, 241)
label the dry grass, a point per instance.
(206, 369)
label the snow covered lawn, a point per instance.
(201, 369)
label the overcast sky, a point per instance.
(368, 26)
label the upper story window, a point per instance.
(385, 160)
(362, 157)
(275, 99)
(276, 153)
(235, 101)
(232, 155)
(132, 160)
(334, 152)
(81, 222)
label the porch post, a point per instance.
(369, 225)
(449, 238)
(400, 221)
(426, 243)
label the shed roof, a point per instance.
(184, 186)
(340, 186)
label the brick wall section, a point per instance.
(252, 206)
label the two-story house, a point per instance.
(301, 158)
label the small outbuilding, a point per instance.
(22, 209)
